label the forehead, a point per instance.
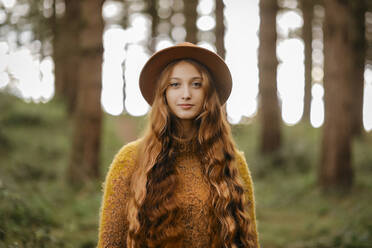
(184, 68)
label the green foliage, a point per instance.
(291, 209)
(26, 222)
(295, 155)
(39, 209)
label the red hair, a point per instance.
(153, 209)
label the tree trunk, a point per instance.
(153, 11)
(88, 116)
(358, 29)
(220, 28)
(57, 53)
(220, 34)
(66, 55)
(307, 13)
(335, 170)
(191, 17)
(269, 110)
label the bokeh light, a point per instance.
(317, 105)
(24, 73)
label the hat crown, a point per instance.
(186, 44)
(158, 61)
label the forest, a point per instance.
(68, 84)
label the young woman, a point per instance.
(184, 184)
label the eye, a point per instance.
(196, 84)
(174, 84)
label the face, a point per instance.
(185, 92)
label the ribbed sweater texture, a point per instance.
(192, 190)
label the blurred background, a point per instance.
(300, 109)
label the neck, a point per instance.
(188, 129)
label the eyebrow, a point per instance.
(180, 78)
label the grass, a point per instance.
(37, 206)
(39, 209)
(292, 211)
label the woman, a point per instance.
(184, 184)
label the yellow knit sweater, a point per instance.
(192, 190)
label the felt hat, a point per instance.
(217, 67)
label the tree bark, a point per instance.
(57, 53)
(269, 110)
(220, 34)
(153, 11)
(307, 14)
(335, 169)
(88, 116)
(191, 18)
(220, 28)
(66, 54)
(357, 31)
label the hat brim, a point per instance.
(218, 69)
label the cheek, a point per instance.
(168, 97)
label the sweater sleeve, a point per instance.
(249, 192)
(113, 224)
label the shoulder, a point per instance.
(240, 161)
(239, 156)
(128, 152)
(242, 167)
(123, 161)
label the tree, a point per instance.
(369, 35)
(359, 45)
(191, 17)
(269, 110)
(307, 15)
(66, 53)
(153, 11)
(220, 34)
(220, 28)
(335, 168)
(88, 115)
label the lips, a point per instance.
(185, 106)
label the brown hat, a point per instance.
(158, 61)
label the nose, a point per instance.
(186, 92)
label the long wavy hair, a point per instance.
(153, 207)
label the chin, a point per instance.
(187, 117)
